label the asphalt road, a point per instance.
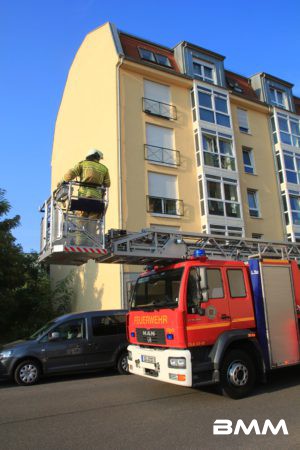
(109, 411)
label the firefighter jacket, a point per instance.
(92, 172)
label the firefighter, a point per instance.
(90, 171)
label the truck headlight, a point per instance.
(5, 354)
(129, 355)
(179, 363)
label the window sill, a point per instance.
(256, 218)
(245, 132)
(249, 173)
(168, 216)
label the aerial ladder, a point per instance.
(69, 239)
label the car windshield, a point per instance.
(41, 331)
(158, 290)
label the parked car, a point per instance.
(70, 343)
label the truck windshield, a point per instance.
(158, 290)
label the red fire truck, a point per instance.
(202, 322)
(207, 310)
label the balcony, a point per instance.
(166, 206)
(159, 109)
(162, 155)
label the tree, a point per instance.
(26, 298)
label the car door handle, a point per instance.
(225, 317)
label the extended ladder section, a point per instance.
(72, 228)
(164, 247)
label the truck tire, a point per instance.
(237, 374)
(27, 372)
(122, 363)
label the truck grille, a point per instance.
(153, 336)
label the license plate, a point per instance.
(148, 359)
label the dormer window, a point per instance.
(277, 97)
(157, 58)
(203, 71)
(235, 86)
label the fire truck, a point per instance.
(206, 310)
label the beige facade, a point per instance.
(102, 108)
(263, 181)
(87, 119)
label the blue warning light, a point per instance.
(199, 252)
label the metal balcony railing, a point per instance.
(162, 205)
(159, 109)
(162, 155)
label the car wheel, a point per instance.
(122, 363)
(237, 374)
(27, 372)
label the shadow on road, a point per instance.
(6, 383)
(277, 380)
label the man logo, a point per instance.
(224, 426)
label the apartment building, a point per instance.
(285, 128)
(187, 143)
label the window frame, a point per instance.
(276, 102)
(155, 54)
(242, 129)
(222, 199)
(202, 65)
(249, 151)
(236, 269)
(220, 157)
(213, 95)
(257, 208)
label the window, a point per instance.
(289, 130)
(158, 58)
(159, 147)
(223, 198)
(157, 98)
(292, 167)
(248, 160)
(203, 71)
(192, 289)
(215, 283)
(277, 97)
(253, 203)
(285, 208)
(257, 236)
(295, 208)
(213, 107)
(223, 230)
(236, 283)
(163, 195)
(243, 120)
(109, 325)
(74, 329)
(217, 151)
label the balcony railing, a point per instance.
(162, 155)
(162, 205)
(159, 109)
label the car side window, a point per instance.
(73, 329)
(109, 325)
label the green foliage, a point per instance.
(26, 299)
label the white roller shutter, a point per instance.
(243, 119)
(156, 91)
(164, 186)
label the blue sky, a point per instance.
(39, 39)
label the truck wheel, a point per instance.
(122, 363)
(27, 372)
(237, 374)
